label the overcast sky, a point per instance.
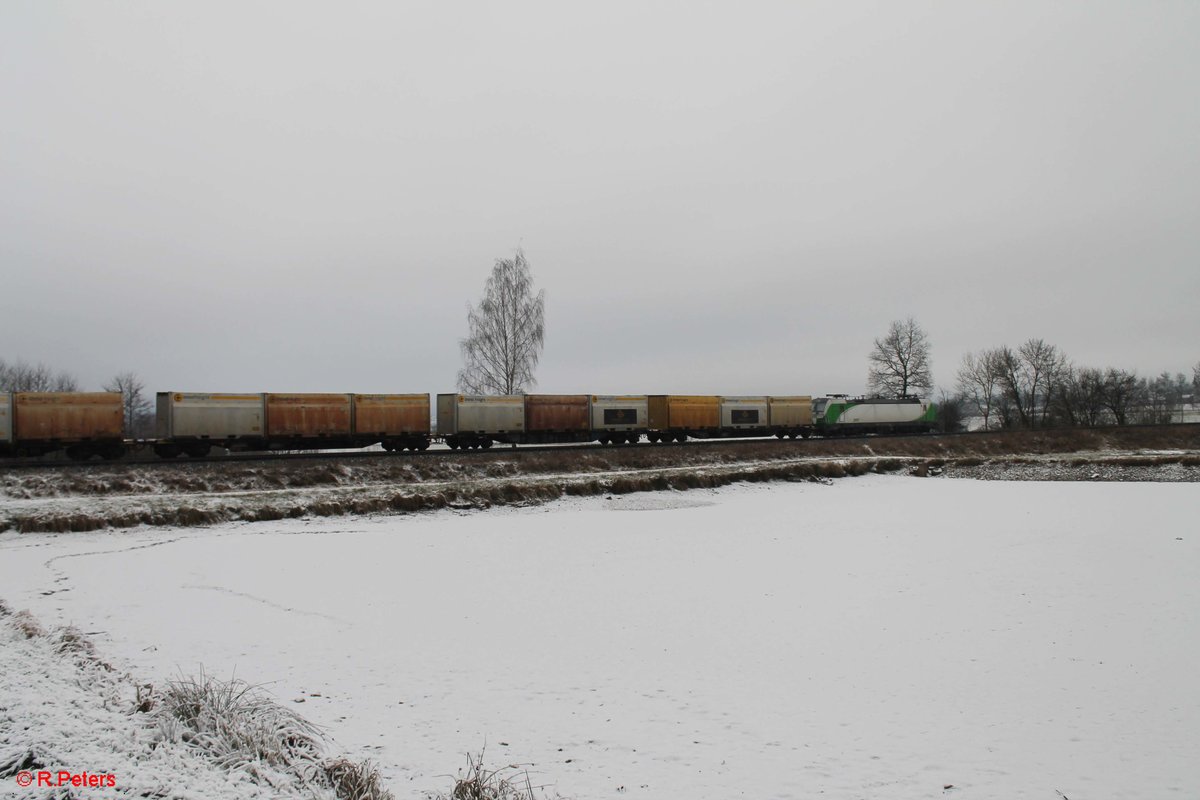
(723, 198)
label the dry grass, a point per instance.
(240, 728)
(27, 624)
(477, 782)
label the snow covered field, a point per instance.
(880, 637)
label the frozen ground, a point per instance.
(880, 637)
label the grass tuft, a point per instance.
(239, 727)
(352, 780)
(509, 782)
(25, 622)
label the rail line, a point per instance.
(148, 458)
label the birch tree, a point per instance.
(505, 332)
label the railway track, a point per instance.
(147, 458)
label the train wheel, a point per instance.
(80, 452)
(196, 450)
(166, 450)
(681, 437)
(486, 444)
(633, 438)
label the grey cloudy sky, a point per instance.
(727, 198)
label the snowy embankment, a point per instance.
(174, 494)
(73, 726)
(877, 637)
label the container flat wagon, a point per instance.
(619, 418)
(84, 424)
(474, 421)
(397, 421)
(553, 418)
(675, 417)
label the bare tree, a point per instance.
(21, 376)
(900, 361)
(1196, 378)
(505, 332)
(133, 401)
(1028, 378)
(1088, 391)
(1122, 393)
(978, 380)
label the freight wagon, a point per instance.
(192, 423)
(85, 424)
(476, 421)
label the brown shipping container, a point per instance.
(684, 412)
(308, 415)
(68, 416)
(657, 418)
(556, 412)
(694, 412)
(391, 414)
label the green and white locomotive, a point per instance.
(840, 415)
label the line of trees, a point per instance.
(1031, 386)
(21, 376)
(1036, 385)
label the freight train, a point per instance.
(89, 424)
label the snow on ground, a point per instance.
(877, 637)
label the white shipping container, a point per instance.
(466, 413)
(613, 412)
(744, 412)
(191, 415)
